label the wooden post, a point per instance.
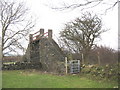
(66, 70)
(82, 59)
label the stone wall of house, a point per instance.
(47, 52)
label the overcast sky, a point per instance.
(48, 18)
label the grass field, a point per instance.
(25, 79)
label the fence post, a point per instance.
(66, 70)
(82, 59)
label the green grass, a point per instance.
(25, 79)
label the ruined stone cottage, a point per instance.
(44, 50)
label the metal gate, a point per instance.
(74, 66)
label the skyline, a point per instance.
(55, 20)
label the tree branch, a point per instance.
(15, 25)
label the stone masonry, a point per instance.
(43, 49)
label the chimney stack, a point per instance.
(49, 33)
(41, 32)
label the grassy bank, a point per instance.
(25, 79)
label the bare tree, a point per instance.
(85, 4)
(80, 34)
(15, 24)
